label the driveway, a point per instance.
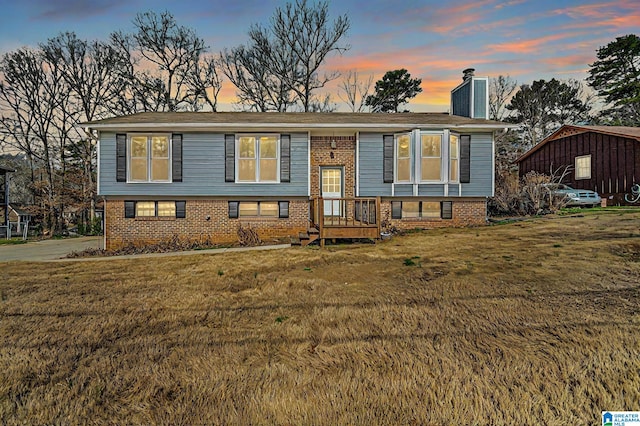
(47, 249)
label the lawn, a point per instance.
(532, 322)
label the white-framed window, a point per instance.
(258, 209)
(258, 158)
(430, 157)
(403, 158)
(583, 167)
(454, 157)
(149, 158)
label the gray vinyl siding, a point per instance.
(371, 178)
(203, 171)
(481, 182)
(461, 100)
(403, 190)
(370, 159)
(431, 189)
(454, 189)
(480, 99)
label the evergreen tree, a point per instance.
(394, 89)
(616, 77)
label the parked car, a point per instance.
(575, 197)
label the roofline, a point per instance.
(300, 126)
(468, 80)
(553, 135)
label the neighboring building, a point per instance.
(19, 218)
(312, 175)
(605, 159)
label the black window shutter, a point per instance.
(129, 209)
(396, 210)
(230, 158)
(283, 209)
(176, 158)
(387, 163)
(181, 209)
(233, 209)
(121, 157)
(285, 158)
(446, 210)
(465, 158)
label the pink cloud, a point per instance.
(528, 46)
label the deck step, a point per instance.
(306, 238)
(313, 231)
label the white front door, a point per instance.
(332, 189)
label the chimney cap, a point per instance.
(468, 73)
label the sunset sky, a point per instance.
(434, 40)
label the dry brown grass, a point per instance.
(528, 323)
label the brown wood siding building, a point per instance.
(612, 154)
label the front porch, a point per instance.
(342, 218)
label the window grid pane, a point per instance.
(145, 208)
(248, 209)
(410, 209)
(583, 167)
(166, 208)
(138, 160)
(431, 209)
(269, 209)
(431, 151)
(268, 170)
(403, 158)
(453, 158)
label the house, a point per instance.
(312, 175)
(19, 218)
(4, 201)
(605, 159)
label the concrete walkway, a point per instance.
(38, 251)
(56, 250)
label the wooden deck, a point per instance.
(343, 218)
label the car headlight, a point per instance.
(573, 195)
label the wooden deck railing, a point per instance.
(346, 217)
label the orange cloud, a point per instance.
(528, 46)
(569, 60)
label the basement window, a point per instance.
(168, 209)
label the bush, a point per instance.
(527, 196)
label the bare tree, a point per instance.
(282, 61)
(33, 94)
(257, 88)
(203, 85)
(91, 71)
(183, 77)
(501, 89)
(354, 91)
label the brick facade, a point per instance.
(219, 228)
(343, 155)
(465, 213)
